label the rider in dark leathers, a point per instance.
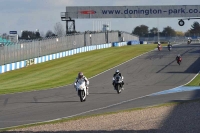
(115, 74)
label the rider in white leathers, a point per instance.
(82, 77)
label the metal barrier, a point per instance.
(28, 62)
(27, 49)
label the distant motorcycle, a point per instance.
(179, 61)
(81, 88)
(169, 47)
(189, 41)
(118, 84)
(159, 47)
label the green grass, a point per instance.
(195, 82)
(63, 71)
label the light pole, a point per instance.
(154, 34)
(37, 34)
(158, 29)
(37, 30)
(90, 39)
(158, 36)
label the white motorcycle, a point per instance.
(81, 88)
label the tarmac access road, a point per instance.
(149, 73)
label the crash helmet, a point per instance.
(179, 55)
(80, 74)
(117, 71)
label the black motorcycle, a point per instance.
(169, 47)
(118, 84)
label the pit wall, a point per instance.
(25, 63)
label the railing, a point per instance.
(28, 49)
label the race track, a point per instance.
(147, 74)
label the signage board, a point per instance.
(163, 11)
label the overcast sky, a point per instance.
(44, 14)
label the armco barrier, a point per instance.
(143, 42)
(119, 44)
(21, 64)
(133, 42)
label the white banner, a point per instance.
(166, 11)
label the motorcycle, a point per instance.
(159, 48)
(189, 41)
(81, 88)
(169, 47)
(179, 61)
(118, 84)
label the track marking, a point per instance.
(177, 89)
(89, 111)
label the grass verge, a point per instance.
(63, 71)
(195, 82)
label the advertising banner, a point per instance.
(167, 11)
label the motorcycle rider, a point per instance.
(178, 57)
(82, 77)
(189, 40)
(117, 73)
(169, 44)
(159, 45)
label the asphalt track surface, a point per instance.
(152, 72)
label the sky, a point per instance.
(19, 15)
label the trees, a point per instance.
(179, 33)
(153, 31)
(49, 34)
(141, 30)
(168, 31)
(30, 35)
(195, 30)
(58, 29)
(5, 36)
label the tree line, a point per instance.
(29, 35)
(143, 31)
(58, 31)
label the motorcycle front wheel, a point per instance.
(118, 88)
(82, 95)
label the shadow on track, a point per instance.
(193, 52)
(54, 102)
(184, 118)
(102, 93)
(194, 68)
